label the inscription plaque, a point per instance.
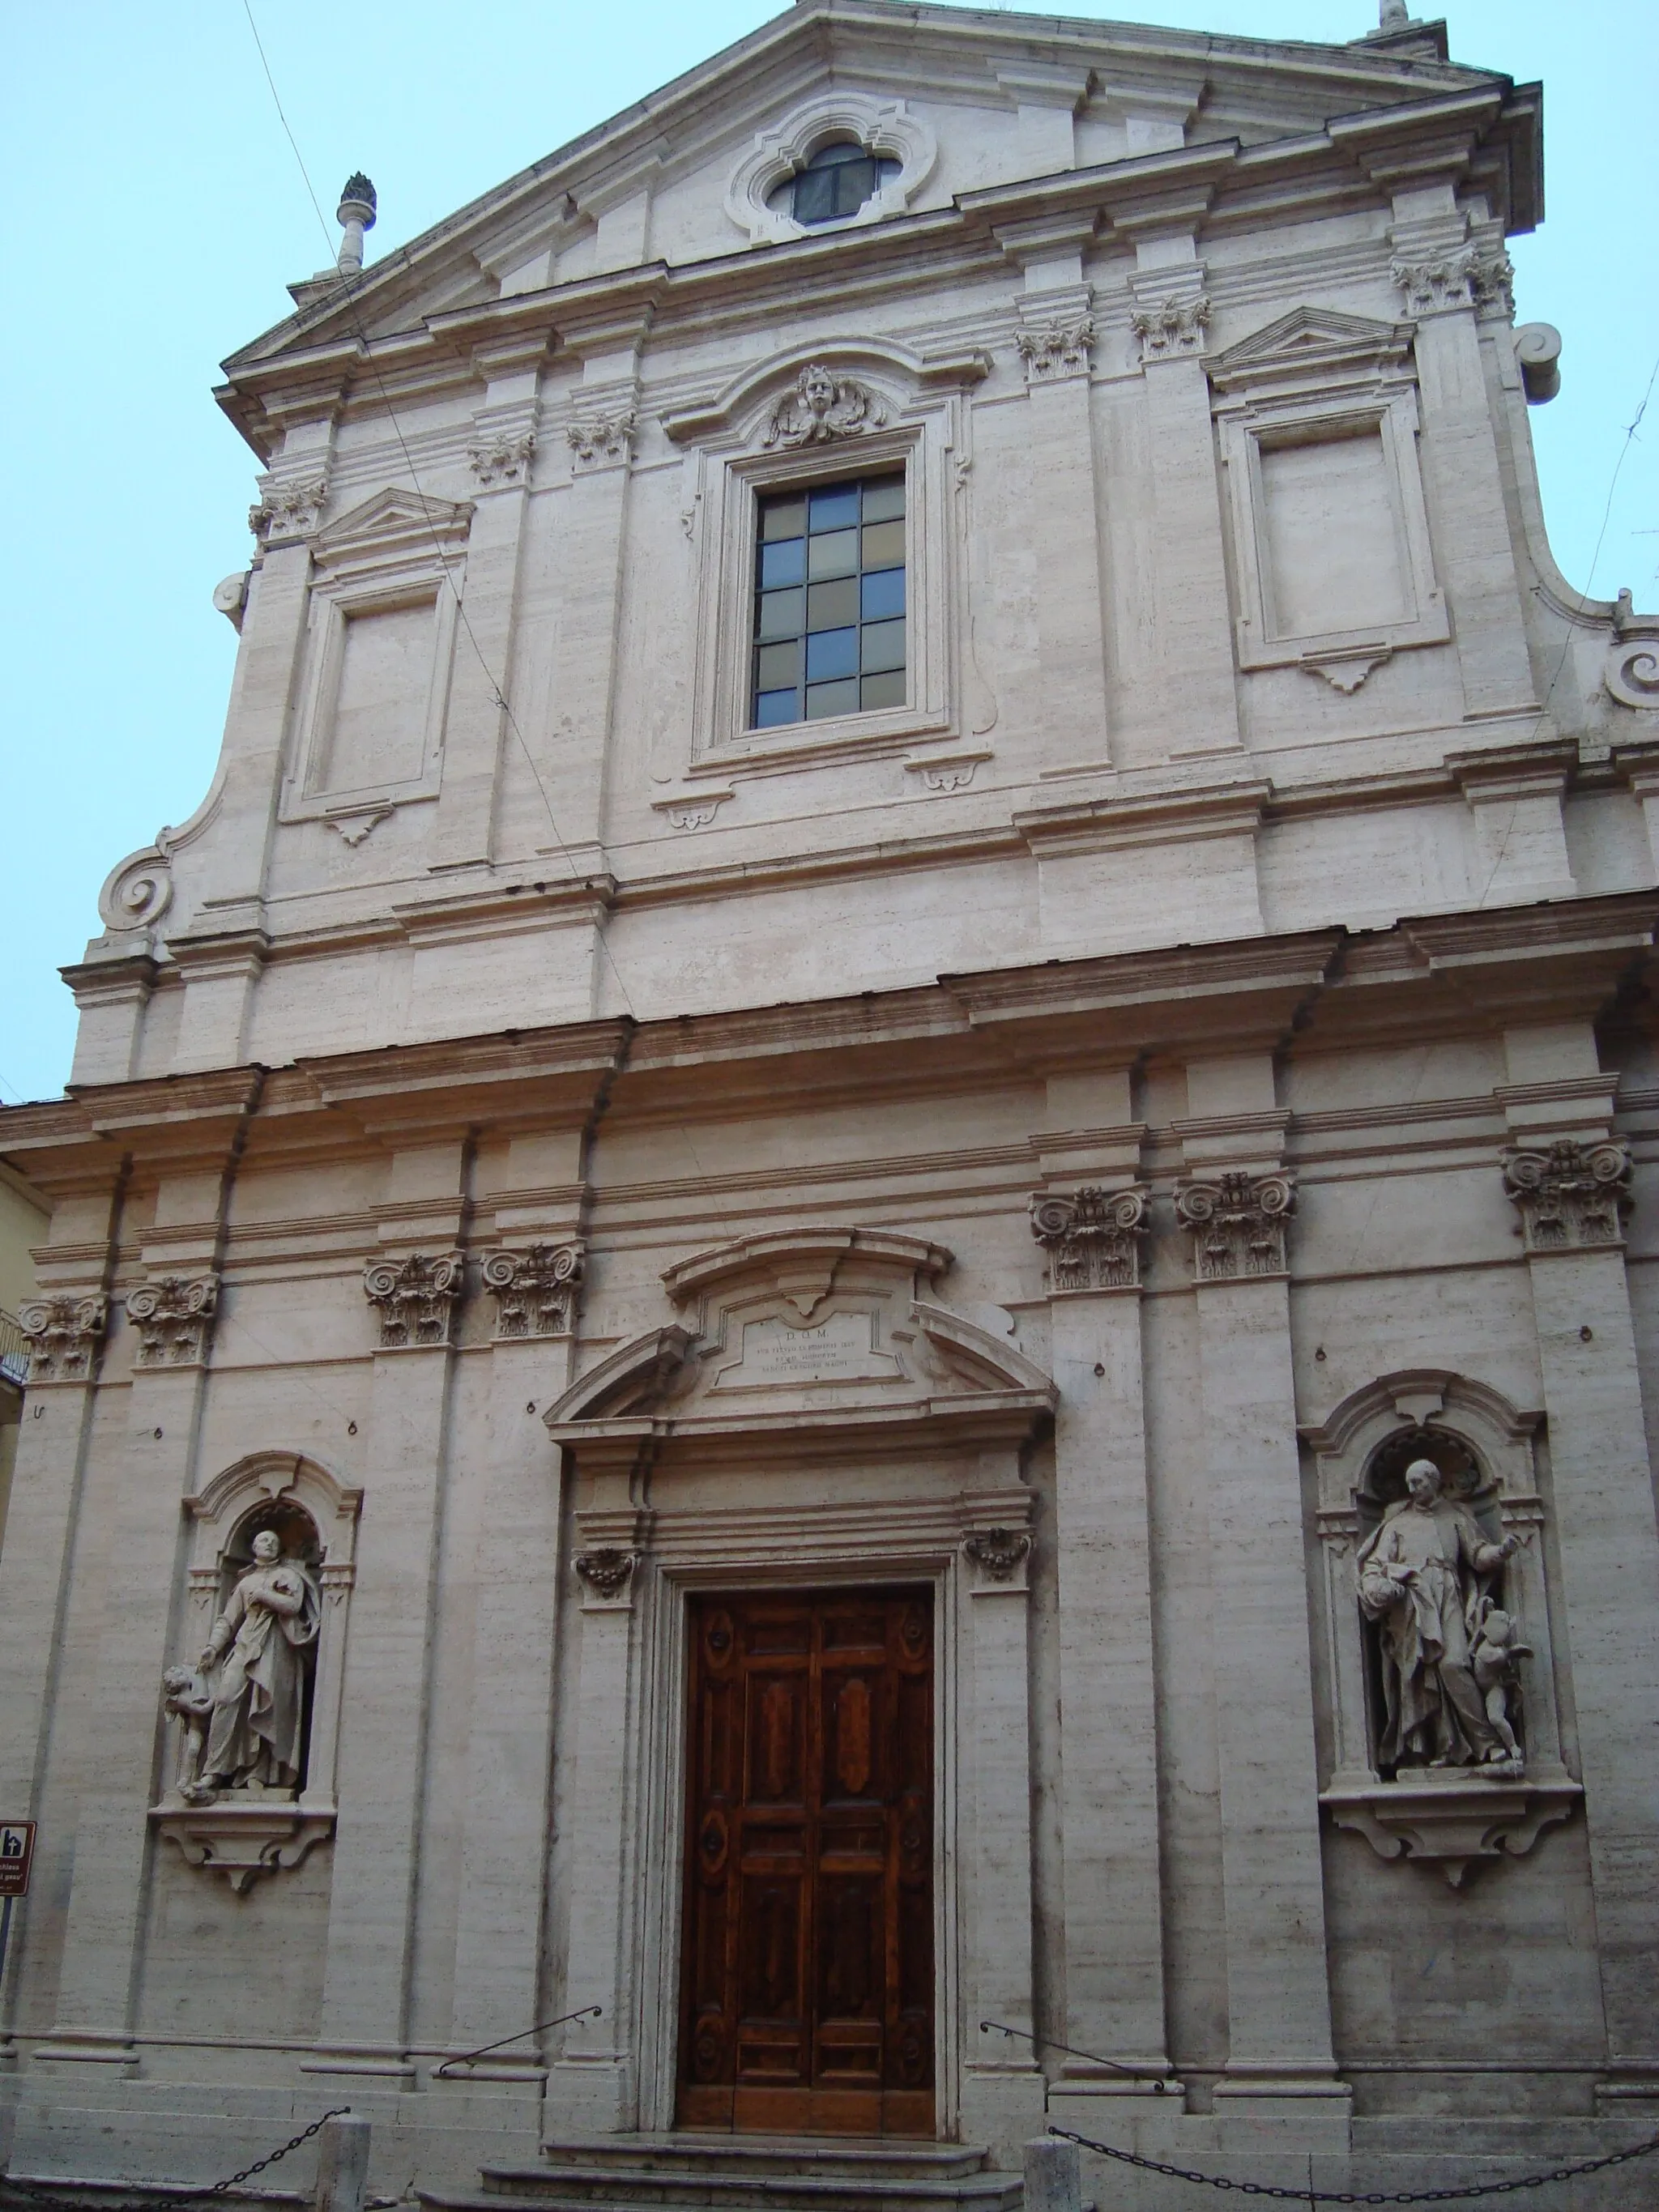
(835, 1350)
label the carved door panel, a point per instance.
(807, 1974)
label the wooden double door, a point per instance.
(807, 1973)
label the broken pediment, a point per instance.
(811, 1328)
(1317, 343)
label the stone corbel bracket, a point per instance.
(1094, 1238)
(243, 1842)
(1453, 1820)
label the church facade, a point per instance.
(853, 1273)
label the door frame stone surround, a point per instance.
(890, 1481)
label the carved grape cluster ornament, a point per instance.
(607, 1569)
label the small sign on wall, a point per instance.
(16, 1850)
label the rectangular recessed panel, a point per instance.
(1334, 555)
(377, 734)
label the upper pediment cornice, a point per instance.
(1382, 105)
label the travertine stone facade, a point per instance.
(1072, 1132)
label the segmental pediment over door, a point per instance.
(830, 1332)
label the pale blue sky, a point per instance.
(152, 212)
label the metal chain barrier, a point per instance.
(34, 2194)
(1293, 2196)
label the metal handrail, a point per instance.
(1161, 2084)
(465, 2057)
(14, 1349)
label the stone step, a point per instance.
(723, 2173)
(687, 2152)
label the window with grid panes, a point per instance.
(830, 602)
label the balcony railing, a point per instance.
(13, 1350)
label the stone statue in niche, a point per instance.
(253, 1676)
(1446, 1648)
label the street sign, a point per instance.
(16, 1850)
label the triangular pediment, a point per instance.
(662, 185)
(1309, 337)
(393, 524)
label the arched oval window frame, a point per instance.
(887, 129)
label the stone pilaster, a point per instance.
(42, 1519)
(593, 2085)
(383, 1736)
(1236, 1203)
(1113, 1948)
(1002, 2093)
(170, 1316)
(532, 1283)
(501, 456)
(1569, 1180)
(1169, 318)
(1443, 277)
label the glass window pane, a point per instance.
(831, 699)
(882, 594)
(830, 606)
(831, 652)
(886, 691)
(882, 645)
(883, 499)
(836, 509)
(815, 196)
(843, 149)
(834, 554)
(772, 708)
(780, 613)
(783, 518)
(884, 546)
(776, 665)
(783, 564)
(855, 182)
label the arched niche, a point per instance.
(244, 1834)
(1484, 1446)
